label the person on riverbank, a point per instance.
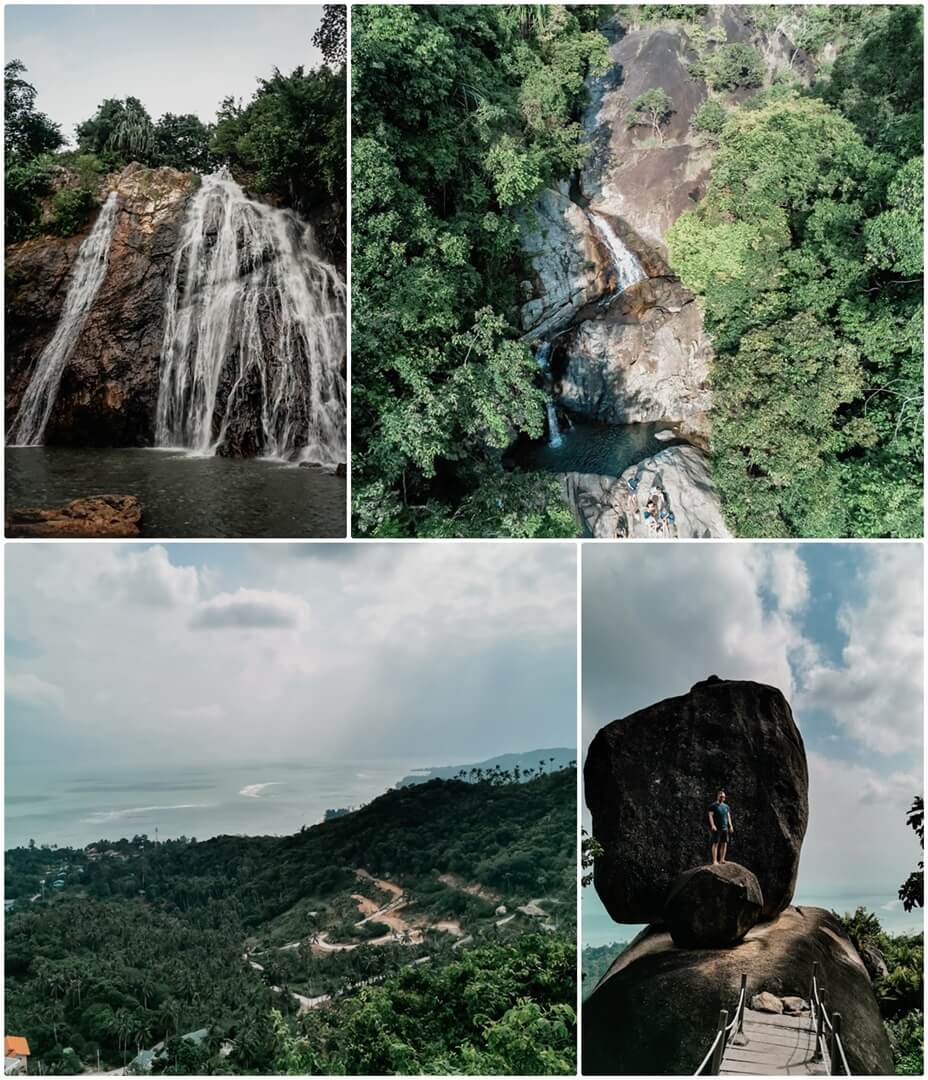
(721, 827)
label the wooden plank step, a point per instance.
(777, 1019)
(801, 1038)
(788, 1058)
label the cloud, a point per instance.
(875, 692)
(146, 576)
(28, 689)
(657, 619)
(250, 609)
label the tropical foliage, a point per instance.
(806, 252)
(461, 114)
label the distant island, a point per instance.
(521, 767)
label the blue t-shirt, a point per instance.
(720, 812)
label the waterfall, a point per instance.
(28, 428)
(627, 268)
(543, 359)
(254, 338)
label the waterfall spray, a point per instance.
(543, 360)
(627, 268)
(93, 256)
(254, 337)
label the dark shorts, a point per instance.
(720, 836)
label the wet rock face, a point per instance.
(650, 778)
(713, 906)
(655, 1011)
(645, 359)
(100, 516)
(109, 388)
(604, 508)
(569, 266)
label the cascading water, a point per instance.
(543, 360)
(254, 337)
(93, 256)
(627, 268)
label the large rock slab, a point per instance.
(713, 906)
(646, 359)
(570, 265)
(655, 1010)
(100, 516)
(650, 777)
(605, 510)
(627, 174)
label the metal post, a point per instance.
(812, 983)
(835, 1052)
(819, 1024)
(743, 1000)
(716, 1063)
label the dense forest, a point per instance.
(805, 253)
(461, 115)
(287, 144)
(141, 943)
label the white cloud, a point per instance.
(875, 693)
(147, 577)
(28, 689)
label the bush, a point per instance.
(73, 207)
(734, 67)
(710, 117)
(907, 1035)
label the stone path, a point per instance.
(773, 1045)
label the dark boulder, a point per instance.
(713, 906)
(655, 1010)
(99, 516)
(649, 780)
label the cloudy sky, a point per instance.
(203, 652)
(838, 628)
(174, 58)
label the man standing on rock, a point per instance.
(721, 825)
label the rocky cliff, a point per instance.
(649, 780)
(641, 354)
(109, 387)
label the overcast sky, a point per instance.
(209, 652)
(838, 628)
(174, 58)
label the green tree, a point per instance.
(27, 133)
(182, 142)
(651, 109)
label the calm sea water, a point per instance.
(74, 806)
(599, 929)
(183, 495)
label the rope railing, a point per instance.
(829, 1046)
(712, 1062)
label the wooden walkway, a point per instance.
(773, 1045)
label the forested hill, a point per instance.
(144, 942)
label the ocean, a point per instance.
(76, 805)
(599, 929)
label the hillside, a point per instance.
(519, 766)
(146, 942)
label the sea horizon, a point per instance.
(75, 805)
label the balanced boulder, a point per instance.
(655, 1010)
(650, 778)
(713, 906)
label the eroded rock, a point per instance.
(713, 906)
(604, 508)
(650, 777)
(766, 1002)
(655, 1010)
(100, 516)
(646, 359)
